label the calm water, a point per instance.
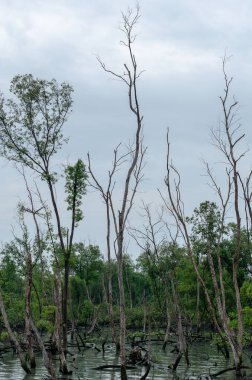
(203, 356)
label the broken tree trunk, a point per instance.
(13, 338)
(28, 332)
(46, 358)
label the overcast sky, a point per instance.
(180, 44)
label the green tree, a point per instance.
(31, 134)
(31, 126)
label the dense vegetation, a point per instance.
(145, 283)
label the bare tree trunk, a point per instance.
(110, 288)
(168, 319)
(73, 322)
(122, 308)
(38, 299)
(228, 148)
(105, 296)
(183, 348)
(65, 302)
(111, 309)
(13, 338)
(57, 335)
(128, 286)
(198, 306)
(43, 288)
(28, 332)
(145, 312)
(106, 197)
(94, 321)
(61, 303)
(226, 140)
(46, 358)
(134, 172)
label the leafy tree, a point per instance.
(12, 285)
(31, 127)
(88, 267)
(75, 188)
(31, 133)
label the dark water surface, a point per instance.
(204, 358)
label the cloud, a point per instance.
(179, 44)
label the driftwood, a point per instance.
(102, 367)
(137, 342)
(146, 372)
(228, 370)
(135, 356)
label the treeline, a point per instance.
(148, 285)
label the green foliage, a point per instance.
(85, 282)
(4, 336)
(87, 262)
(75, 188)
(135, 282)
(246, 293)
(147, 282)
(137, 334)
(228, 250)
(206, 225)
(31, 125)
(247, 317)
(187, 286)
(48, 313)
(46, 322)
(134, 317)
(15, 308)
(86, 312)
(233, 323)
(45, 326)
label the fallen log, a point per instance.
(108, 366)
(228, 370)
(146, 372)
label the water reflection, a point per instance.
(204, 358)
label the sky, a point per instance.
(180, 45)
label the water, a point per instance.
(204, 359)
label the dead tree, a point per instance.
(247, 196)
(160, 253)
(182, 344)
(29, 323)
(151, 240)
(175, 205)
(26, 252)
(106, 195)
(134, 159)
(28, 289)
(57, 337)
(226, 139)
(29, 265)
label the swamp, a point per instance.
(94, 362)
(178, 305)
